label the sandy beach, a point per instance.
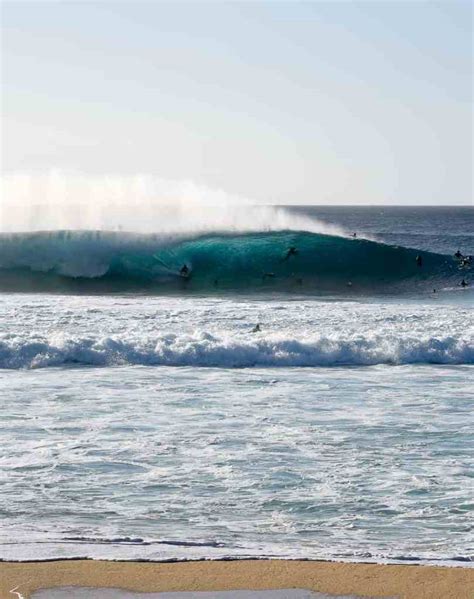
(366, 580)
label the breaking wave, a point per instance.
(98, 261)
(207, 350)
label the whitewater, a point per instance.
(217, 332)
(142, 416)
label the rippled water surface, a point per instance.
(366, 455)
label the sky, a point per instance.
(280, 102)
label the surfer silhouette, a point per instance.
(458, 254)
(292, 251)
(419, 261)
(354, 235)
(463, 283)
(184, 271)
(257, 329)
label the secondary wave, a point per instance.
(208, 350)
(107, 261)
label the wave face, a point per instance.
(107, 261)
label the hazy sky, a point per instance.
(288, 102)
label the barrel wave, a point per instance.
(97, 261)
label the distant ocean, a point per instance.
(143, 417)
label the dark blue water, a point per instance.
(442, 230)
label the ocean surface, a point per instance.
(142, 417)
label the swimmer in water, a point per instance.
(292, 251)
(184, 271)
(256, 329)
(419, 261)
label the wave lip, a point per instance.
(203, 349)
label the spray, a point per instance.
(138, 203)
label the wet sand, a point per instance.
(91, 593)
(366, 580)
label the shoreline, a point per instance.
(441, 563)
(408, 581)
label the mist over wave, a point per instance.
(139, 203)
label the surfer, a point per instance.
(464, 284)
(419, 261)
(184, 271)
(354, 235)
(292, 251)
(458, 255)
(257, 329)
(268, 275)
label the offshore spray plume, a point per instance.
(138, 203)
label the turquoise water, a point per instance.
(253, 262)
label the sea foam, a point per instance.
(204, 349)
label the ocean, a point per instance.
(144, 417)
